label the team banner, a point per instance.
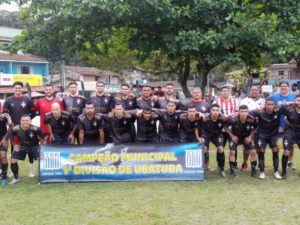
(121, 163)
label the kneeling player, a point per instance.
(4, 121)
(25, 140)
(210, 129)
(242, 130)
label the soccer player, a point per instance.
(146, 100)
(284, 97)
(126, 99)
(169, 96)
(121, 124)
(187, 125)
(254, 102)
(268, 127)
(209, 129)
(168, 124)
(4, 122)
(240, 129)
(146, 126)
(16, 106)
(103, 104)
(291, 134)
(60, 125)
(44, 105)
(74, 104)
(25, 139)
(197, 102)
(90, 126)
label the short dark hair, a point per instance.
(18, 83)
(100, 82)
(89, 103)
(147, 109)
(172, 102)
(169, 84)
(49, 85)
(270, 100)
(243, 107)
(126, 85)
(225, 87)
(284, 82)
(117, 103)
(146, 85)
(214, 106)
(190, 106)
(73, 82)
(25, 115)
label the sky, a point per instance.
(9, 7)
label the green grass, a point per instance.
(243, 200)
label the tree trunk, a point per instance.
(184, 73)
(203, 70)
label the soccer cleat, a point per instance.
(31, 170)
(244, 167)
(3, 182)
(253, 173)
(277, 175)
(222, 174)
(291, 165)
(284, 175)
(262, 175)
(232, 174)
(15, 181)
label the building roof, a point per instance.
(9, 32)
(10, 90)
(5, 56)
(82, 70)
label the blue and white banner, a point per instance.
(121, 163)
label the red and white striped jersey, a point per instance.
(228, 107)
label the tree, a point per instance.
(207, 31)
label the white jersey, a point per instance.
(253, 104)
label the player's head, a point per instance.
(215, 110)
(18, 88)
(254, 91)
(284, 87)
(171, 107)
(243, 111)
(89, 108)
(49, 90)
(55, 109)
(125, 89)
(147, 112)
(269, 104)
(297, 101)
(191, 111)
(119, 109)
(25, 121)
(169, 89)
(225, 92)
(197, 94)
(73, 88)
(100, 86)
(146, 91)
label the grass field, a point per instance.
(243, 200)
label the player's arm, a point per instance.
(232, 136)
(101, 136)
(74, 127)
(81, 136)
(199, 138)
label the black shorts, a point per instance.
(91, 142)
(217, 140)
(289, 140)
(233, 146)
(262, 142)
(60, 142)
(149, 141)
(3, 148)
(21, 155)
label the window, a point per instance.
(281, 74)
(25, 70)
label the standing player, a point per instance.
(146, 126)
(126, 99)
(44, 105)
(146, 99)
(187, 125)
(74, 104)
(268, 127)
(291, 134)
(4, 122)
(121, 124)
(103, 104)
(169, 96)
(209, 130)
(284, 97)
(60, 125)
(254, 102)
(25, 139)
(16, 106)
(241, 129)
(90, 126)
(197, 102)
